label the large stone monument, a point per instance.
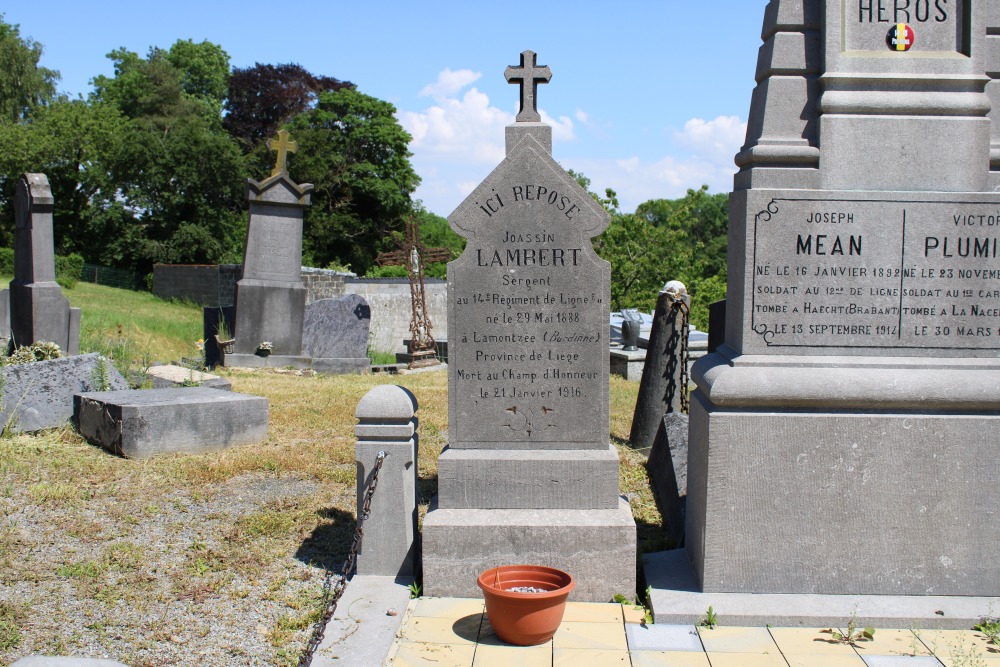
(844, 437)
(270, 298)
(38, 309)
(529, 475)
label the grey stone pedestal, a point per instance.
(597, 547)
(627, 364)
(273, 361)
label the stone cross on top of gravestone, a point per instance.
(529, 75)
(283, 146)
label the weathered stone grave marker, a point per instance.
(335, 334)
(843, 439)
(528, 475)
(38, 309)
(270, 298)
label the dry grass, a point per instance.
(215, 559)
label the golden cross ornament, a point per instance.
(283, 145)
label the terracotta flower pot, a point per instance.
(525, 619)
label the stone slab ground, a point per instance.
(150, 422)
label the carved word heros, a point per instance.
(902, 11)
(526, 193)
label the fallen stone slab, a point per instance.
(39, 394)
(168, 376)
(51, 661)
(189, 420)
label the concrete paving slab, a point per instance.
(820, 660)
(663, 638)
(900, 661)
(367, 620)
(669, 659)
(582, 657)
(747, 660)
(676, 598)
(603, 636)
(892, 642)
(737, 640)
(506, 655)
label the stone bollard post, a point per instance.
(387, 422)
(660, 390)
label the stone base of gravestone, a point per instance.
(168, 376)
(627, 364)
(40, 312)
(210, 328)
(667, 467)
(39, 394)
(524, 479)
(150, 422)
(270, 361)
(862, 479)
(341, 366)
(269, 312)
(596, 546)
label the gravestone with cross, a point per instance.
(843, 438)
(38, 309)
(528, 475)
(270, 298)
(414, 256)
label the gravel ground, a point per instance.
(172, 580)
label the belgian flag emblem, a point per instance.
(900, 37)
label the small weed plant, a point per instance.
(853, 634)
(989, 627)
(710, 620)
(416, 590)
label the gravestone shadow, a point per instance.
(330, 541)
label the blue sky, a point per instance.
(649, 98)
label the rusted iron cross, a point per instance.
(283, 145)
(413, 255)
(529, 75)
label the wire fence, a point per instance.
(104, 275)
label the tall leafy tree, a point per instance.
(352, 148)
(24, 85)
(178, 174)
(262, 98)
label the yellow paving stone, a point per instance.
(488, 637)
(441, 630)
(737, 640)
(955, 643)
(746, 660)
(633, 614)
(593, 612)
(591, 636)
(585, 657)
(421, 654)
(513, 656)
(892, 642)
(669, 659)
(820, 660)
(793, 641)
(454, 608)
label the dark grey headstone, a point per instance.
(716, 325)
(667, 467)
(143, 423)
(210, 327)
(271, 298)
(39, 394)
(38, 309)
(337, 328)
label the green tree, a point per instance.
(352, 148)
(178, 175)
(71, 142)
(24, 85)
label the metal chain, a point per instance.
(333, 591)
(678, 303)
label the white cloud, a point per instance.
(712, 145)
(449, 82)
(714, 139)
(582, 116)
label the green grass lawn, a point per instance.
(214, 559)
